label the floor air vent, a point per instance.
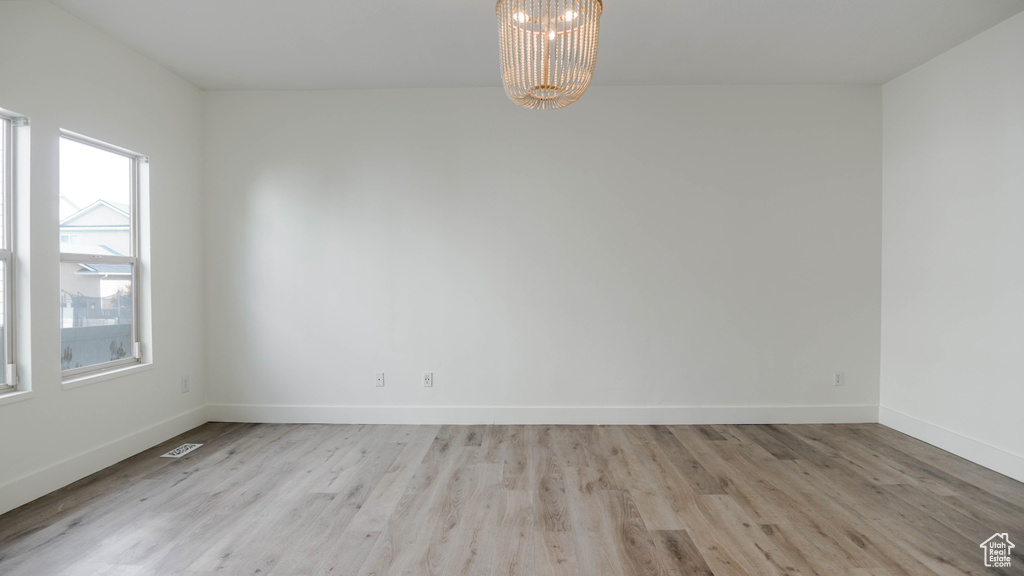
(181, 450)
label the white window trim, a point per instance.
(15, 396)
(70, 383)
(9, 388)
(75, 377)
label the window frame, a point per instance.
(10, 122)
(136, 162)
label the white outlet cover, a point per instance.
(378, 380)
(428, 379)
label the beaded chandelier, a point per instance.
(548, 49)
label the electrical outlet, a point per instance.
(838, 379)
(428, 379)
(378, 380)
(186, 384)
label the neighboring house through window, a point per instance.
(99, 244)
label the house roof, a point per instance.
(105, 269)
(102, 249)
(118, 208)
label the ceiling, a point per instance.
(312, 44)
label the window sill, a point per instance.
(87, 379)
(17, 396)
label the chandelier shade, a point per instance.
(548, 49)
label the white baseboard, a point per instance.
(976, 451)
(27, 488)
(541, 414)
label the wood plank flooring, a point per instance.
(361, 500)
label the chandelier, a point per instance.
(548, 49)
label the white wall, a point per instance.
(648, 254)
(64, 74)
(953, 247)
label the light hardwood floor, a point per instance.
(290, 500)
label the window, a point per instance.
(99, 261)
(9, 125)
